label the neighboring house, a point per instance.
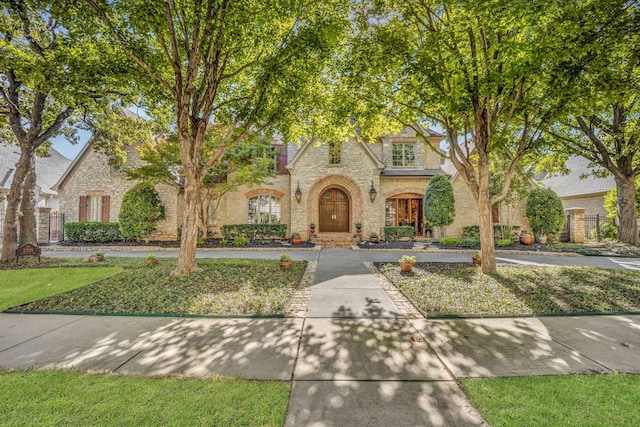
(332, 185)
(580, 188)
(48, 171)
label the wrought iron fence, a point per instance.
(598, 227)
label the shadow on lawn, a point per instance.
(573, 289)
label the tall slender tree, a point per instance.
(235, 67)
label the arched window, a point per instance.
(264, 209)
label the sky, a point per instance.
(67, 149)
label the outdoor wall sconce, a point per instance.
(298, 193)
(372, 193)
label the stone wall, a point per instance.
(93, 176)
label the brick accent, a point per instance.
(268, 191)
(576, 225)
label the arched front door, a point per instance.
(334, 211)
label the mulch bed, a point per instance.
(209, 243)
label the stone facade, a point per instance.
(91, 175)
(362, 168)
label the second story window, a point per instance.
(404, 154)
(334, 153)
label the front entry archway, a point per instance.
(334, 211)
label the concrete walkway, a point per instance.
(360, 356)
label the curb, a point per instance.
(471, 251)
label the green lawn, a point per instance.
(462, 289)
(22, 286)
(576, 400)
(80, 399)
(224, 287)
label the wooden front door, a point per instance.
(334, 211)
(405, 211)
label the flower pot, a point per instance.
(406, 266)
(296, 240)
(526, 239)
(285, 265)
(542, 240)
(374, 239)
(95, 258)
(151, 261)
(476, 260)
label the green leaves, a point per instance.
(439, 202)
(141, 209)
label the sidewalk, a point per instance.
(360, 356)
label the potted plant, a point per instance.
(312, 227)
(97, 257)
(526, 238)
(374, 237)
(477, 258)
(285, 262)
(358, 226)
(542, 239)
(296, 238)
(406, 262)
(151, 259)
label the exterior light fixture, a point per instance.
(372, 193)
(298, 193)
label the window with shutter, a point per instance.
(82, 209)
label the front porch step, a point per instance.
(335, 240)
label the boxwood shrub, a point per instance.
(254, 231)
(398, 232)
(92, 232)
(451, 241)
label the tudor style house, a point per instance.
(331, 185)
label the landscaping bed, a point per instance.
(460, 289)
(207, 243)
(224, 287)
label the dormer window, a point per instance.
(334, 153)
(404, 154)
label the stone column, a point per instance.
(576, 224)
(42, 224)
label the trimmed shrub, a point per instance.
(503, 242)
(471, 231)
(398, 232)
(439, 202)
(240, 241)
(545, 212)
(254, 231)
(141, 209)
(469, 242)
(93, 232)
(451, 241)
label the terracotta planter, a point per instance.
(151, 261)
(477, 261)
(95, 258)
(374, 239)
(296, 240)
(526, 239)
(542, 240)
(406, 266)
(285, 265)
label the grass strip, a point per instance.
(74, 398)
(223, 287)
(576, 400)
(22, 286)
(462, 289)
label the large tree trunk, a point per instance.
(486, 222)
(189, 239)
(10, 237)
(27, 217)
(627, 222)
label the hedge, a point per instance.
(254, 231)
(101, 232)
(398, 232)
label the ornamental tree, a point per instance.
(439, 202)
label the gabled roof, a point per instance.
(83, 152)
(580, 181)
(362, 144)
(48, 168)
